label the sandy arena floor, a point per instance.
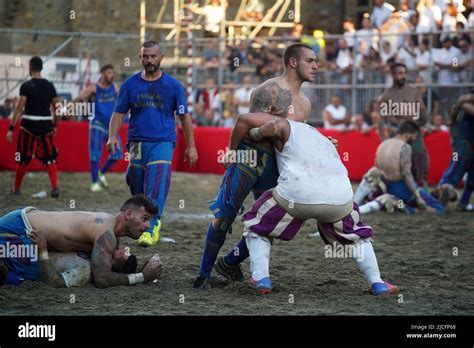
(414, 252)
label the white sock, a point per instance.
(362, 191)
(368, 261)
(259, 250)
(370, 207)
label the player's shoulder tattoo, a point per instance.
(99, 221)
(106, 242)
(272, 99)
(405, 157)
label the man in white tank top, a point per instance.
(313, 183)
(335, 115)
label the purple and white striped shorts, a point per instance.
(266, 218)
(346, 231)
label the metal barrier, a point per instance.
(356, 86)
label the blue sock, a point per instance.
(107, 165)
(214, 242)
(466, 196)
(94, 171)
(238, 253)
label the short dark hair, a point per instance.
(294, 51)
(394, 67)
(408, 127)
(106, 67)
(125, 266)
(139, 201)
(36, 64)
(150, 43)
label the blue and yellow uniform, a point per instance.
(99, 130)
(238, 181)
(151, 138)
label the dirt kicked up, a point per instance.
(428, 257)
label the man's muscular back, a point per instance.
(388, 158)
(71, 231)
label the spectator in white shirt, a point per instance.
(430, 17)
(393, 30)
(349, 32)
(423, 60)
(405, 10)
(408, 53)
(367, 37)
(450, 19)
(242, 95)
(381, 12)
(386, 52)
(447, 60)
(213, 13)
(344, 62)
(335, 115)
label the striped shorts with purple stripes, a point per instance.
(266, 218)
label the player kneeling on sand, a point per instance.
(71, 232)
(313, 183)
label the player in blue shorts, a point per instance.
(462, 161)
(105, 93)
(280, 96)
(153, 99)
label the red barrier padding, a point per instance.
(357, 150)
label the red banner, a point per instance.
(357, 150)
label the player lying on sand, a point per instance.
(74, 268)
(313, 183)
(88, 232)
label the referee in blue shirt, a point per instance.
(153, 98)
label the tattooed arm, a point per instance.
(271, 99)
(101, 262)
(269, 127)
(244, 123)
(405, 164)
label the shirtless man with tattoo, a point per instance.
(280, 96)
(80, 231)
(394, 158)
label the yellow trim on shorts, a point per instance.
(4, 234)
(158, 162)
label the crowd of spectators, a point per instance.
(386, 35)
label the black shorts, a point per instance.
(40, 146)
